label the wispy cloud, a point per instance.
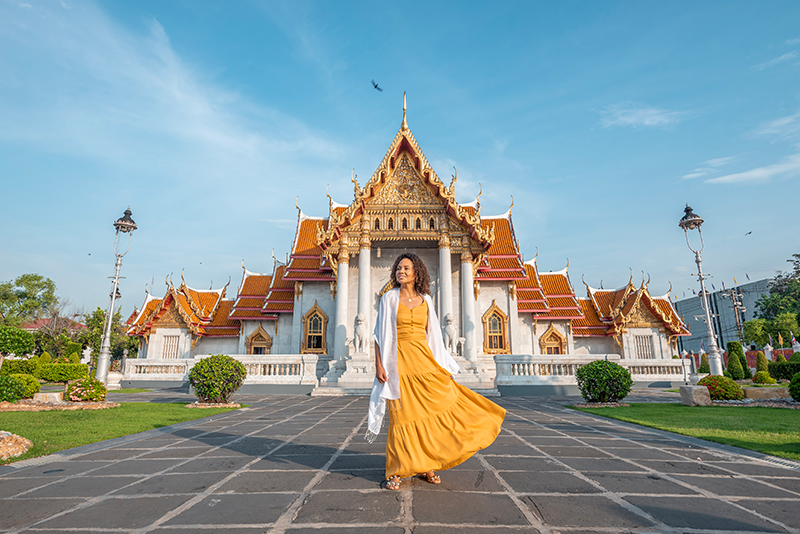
(792, 42)
(783, 128)
(635, 115)
(708, 167)
(788, 167)
(775, 61)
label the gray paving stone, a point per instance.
(259, 482)
(367, 479)
(555, 482)
(87, 486)
(201, 465)
(363, 461)
(785, 512)
(135, 467)
(218, 530)
(28, 511)
(552, 441)
(467, 508)
(289, 463)
(757, 469)
(534, 465)
(574, 452)
(306, 449)
(734, 486)
(218, 509)
(348, 530)
(791, 484)
(638, 483)
(701, 513)
(600, 464)
(463, 480)
(174, 484)
(512, 450)
(583, 511)
(683, 467)
(59, 469)
(176, 452)
(112, 454)
(642, 453)
(350, 507)
(12, 486)
(118, 513)
(535, 431)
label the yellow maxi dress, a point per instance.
(436, 423)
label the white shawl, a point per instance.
(385, 336)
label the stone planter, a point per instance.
(765, 393)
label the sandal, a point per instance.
(430, 477)
(393, 483)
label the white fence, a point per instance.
(526, 369)
(261, 369)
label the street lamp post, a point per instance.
(125, 225)
(690, 221)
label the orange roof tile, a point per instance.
(255, 285)
(556, 284)
(531, 306)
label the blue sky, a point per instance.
(603, 119)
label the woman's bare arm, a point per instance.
(380, 372)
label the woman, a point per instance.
(435, 423)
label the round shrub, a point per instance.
(704, 367)
(85, 390)
(603, 381)
(722, 388)
(45, 358)
(216, 378)
(31, 385)
(795, 358)
(735, 367)
(11, 389)
(762, 377)
(74, 358)
(780, 358)
(762, 364)
(794, 387)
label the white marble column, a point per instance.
(364, 284)
(445, 279)
(340, 334)
(468, 307)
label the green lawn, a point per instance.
(56, 430)
(774, 431)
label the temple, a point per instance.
(307, 324)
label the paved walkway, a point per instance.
(299, 464)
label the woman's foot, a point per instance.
(430, 477)
(393, 483)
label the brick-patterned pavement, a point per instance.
(299, 464)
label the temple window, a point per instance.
(259, 342)
(553, 342)
(315, 324)
(377, 224)
(432, 224)
(495, 331)
(391, 225)
(644, 347)
(405, 223)
(418, 224)
(170, 348)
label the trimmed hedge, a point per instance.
(216, 378)
(704, 367)
(29, 366)
(794, 387)
(762, 377)
(85, 390)
(780, 358)
(783, 370)
(603, 381)
(795, 358)
(63, 372)
(722, 388)
(762, 363)
(735, 366)
(11, 389)
(32, 386)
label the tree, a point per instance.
(784, 293)
(26, 298)
(93, 335)
(784, 323)
(15, 341)
(755, 331)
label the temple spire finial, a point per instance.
(405, 124)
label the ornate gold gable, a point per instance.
(170, 319)
(641, 317)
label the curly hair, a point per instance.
(422, 280)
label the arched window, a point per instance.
(405, 223)
(391, 225)
(418, 224)
(259, 342)
(315, 324)
(432, 224)
(552, 341)
(377, 224)
(495, 331)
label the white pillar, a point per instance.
(445, 279)
(513, 320)
(365, 286)
(340, 332)
(297, 319)
(468, 307)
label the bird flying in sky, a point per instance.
(748, 233)
(375, 85)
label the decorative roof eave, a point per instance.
(134, 326)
